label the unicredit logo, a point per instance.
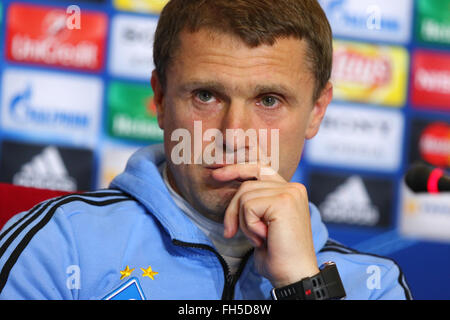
(22, 111)
(46, 39)
(52, 51)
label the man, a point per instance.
(176, 225)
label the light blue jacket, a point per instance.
(133, 242)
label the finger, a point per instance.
(259, 227)
(231, 218)
(255, 216)
(256, 240)
(246, 172)
(254, 190)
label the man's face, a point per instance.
(218, 80)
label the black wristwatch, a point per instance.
(325, 285)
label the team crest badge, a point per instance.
(130, 290)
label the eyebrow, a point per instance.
(207, 85)
(220, 88)
(275, 88)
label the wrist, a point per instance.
(325, 285)
(295, 276)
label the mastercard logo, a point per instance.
(434, 144)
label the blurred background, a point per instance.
(75, 103)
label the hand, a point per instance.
(274, 216)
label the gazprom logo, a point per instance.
(337, 11)
(23, 111)
(380, 20)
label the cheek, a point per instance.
(291, 143)
(292, 131)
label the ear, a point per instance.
(158, 98)
(318, 111)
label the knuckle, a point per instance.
(244, 198)
(246, 185)
(247, 206)
(299, 188)
(286, 196)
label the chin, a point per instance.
(214, 204)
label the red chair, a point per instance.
(15, 199)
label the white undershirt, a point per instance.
(232, 250)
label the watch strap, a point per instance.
(325, 285)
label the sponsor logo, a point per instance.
(132, 46)
(430, 142)
(369, 73)
(132, 113)
(355, 136)
(350, 203)
(431, 80)
(47, 39)
(113, 162)
(383, 20)
(22, 111)
(434, 144)
(151, 6)
(353, 200)
(424, 215)
(31, 104)
(46, 167)
(433, 21)
(45, 171)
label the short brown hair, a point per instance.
(255, 22)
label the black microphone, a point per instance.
(423, 178)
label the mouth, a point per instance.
(215, 166)
(230, 183)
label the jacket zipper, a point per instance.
(229, 280)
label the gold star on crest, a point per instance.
(149, 273)
(126, 273)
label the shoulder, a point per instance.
(65, 216)
(366, 275)
(87, 202)
(49, 234)
(56, 210)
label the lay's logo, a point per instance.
(150, 6)
(369, 73)
(354, 67)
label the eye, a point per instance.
(204, 96)
(269, 101)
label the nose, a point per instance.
(236, 127)
(235, 116)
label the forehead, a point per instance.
(223, 58)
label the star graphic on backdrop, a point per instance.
(149, 273)
(126, 272)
